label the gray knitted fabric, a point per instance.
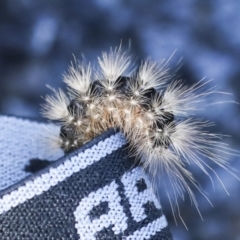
(95, 192)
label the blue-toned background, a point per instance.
(38, 40)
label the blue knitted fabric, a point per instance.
(95, 192)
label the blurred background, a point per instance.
(38, 40)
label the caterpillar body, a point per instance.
(154, 114)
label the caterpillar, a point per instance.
(154, 110)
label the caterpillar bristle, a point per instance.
(113, 65)
(155, 116)
(78, 80)
(151, 75)
(56, 106)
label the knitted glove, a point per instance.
(95, 192)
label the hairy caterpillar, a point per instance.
(154, 113)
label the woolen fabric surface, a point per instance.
(95, 192)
